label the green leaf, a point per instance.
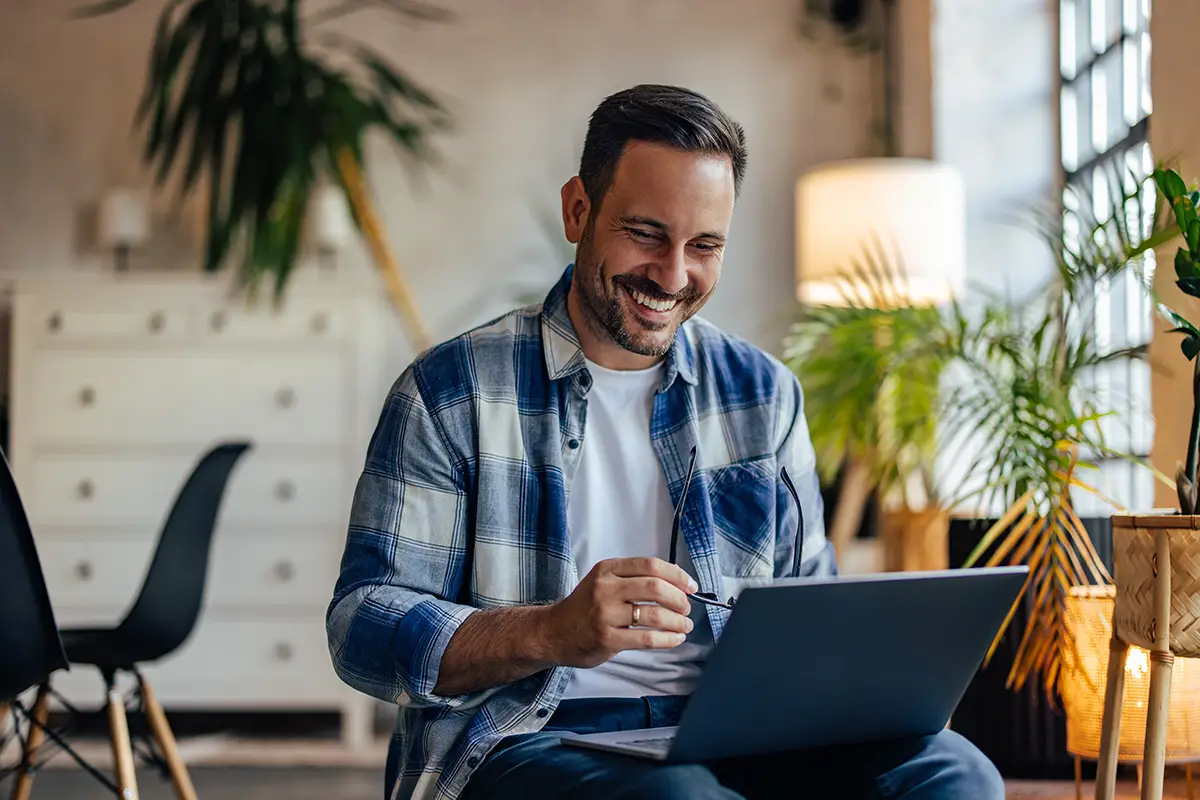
(98, 9)
(1189, 286)
(1193, 229)
(1185, 265)
(1181, 324)
(1171, 185)
(1190, 346)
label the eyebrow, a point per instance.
(662, 226)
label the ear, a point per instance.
(575, 209)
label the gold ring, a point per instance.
(637, 614)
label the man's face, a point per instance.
(649, 257)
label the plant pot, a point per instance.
(915, 540)
(1022, 732)
(1134, 571)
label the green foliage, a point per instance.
(1183, 201)
(871, 375)
(236, 99)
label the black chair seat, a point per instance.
(105, 648)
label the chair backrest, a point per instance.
(29, 643)
(166, 609)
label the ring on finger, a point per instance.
(637, 614)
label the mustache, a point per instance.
(641, 283)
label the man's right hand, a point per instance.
(595, 622)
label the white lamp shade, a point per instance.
(910, 209)
(123, 219)
(330, 218)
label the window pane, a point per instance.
(1108, 119)
(1070, 130)
(1083, 32)
(1068, 54)
(1144, 75)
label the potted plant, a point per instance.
(1024, 402)
(257, 106)
(871, 373)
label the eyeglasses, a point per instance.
(709, 598)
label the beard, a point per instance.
(606, 314)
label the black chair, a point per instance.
(28, 635)
(161, 619)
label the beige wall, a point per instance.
(1174, 136)
(521, 77)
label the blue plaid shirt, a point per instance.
(462, 505)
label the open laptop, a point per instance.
(808, 663)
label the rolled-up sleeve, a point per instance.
(796, 454)
(393, 610)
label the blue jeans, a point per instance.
(943, 766)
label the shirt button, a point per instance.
(573, 444)
(472, 762)
(543, 712)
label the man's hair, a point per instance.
(668, 115)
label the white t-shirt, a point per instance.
(619, 507)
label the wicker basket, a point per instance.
(1134, 570)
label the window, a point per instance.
(1105, 103)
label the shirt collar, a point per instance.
(564, 356)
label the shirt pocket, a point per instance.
(743, 497)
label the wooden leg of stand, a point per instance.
(41, 712)
(1078, 779)
(166, 742)
(1110, 726)
(1187, 772)
(122, 748)
(1162, 663)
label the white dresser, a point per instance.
(119, 383)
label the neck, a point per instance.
(597, 345)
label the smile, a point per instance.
(650, 303)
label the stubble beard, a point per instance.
(600, 299)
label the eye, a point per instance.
(637, 233)
(706, 247)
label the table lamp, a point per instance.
(123, 223)
(908, 213)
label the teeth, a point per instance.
(656, 305)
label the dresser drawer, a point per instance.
(147, 397)
(295, 322)
(279, 661)
(108, 489)
(264, 571)
(87, 325)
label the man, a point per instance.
(509, 574)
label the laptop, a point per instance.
(848, 660)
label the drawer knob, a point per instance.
(285, 397)
(87, 396)
(285, 490)
(84, 570)
(320, 323)
(284, 570)
(283, 651)
(86, 489)
(217, 321)
(157, 322)
(54, 322)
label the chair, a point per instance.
(161, 618)
(29, 637)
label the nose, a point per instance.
(671, 272)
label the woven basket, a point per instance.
(1134, 569)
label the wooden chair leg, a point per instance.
(41, 712)
(1110, 726)
(1161, 666)
(161, 731)
(122, 748)
(1187, 772)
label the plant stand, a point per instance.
(1157, 571)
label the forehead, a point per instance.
(687, 191)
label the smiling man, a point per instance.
(510, 574)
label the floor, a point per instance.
(311, 783)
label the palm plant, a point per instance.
(871, 376)
(1022, 401)
(238, 98)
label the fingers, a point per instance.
(653, 567)
(654, 590)
(650, 616)
(637, 639)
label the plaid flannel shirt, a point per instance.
(462, 505)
